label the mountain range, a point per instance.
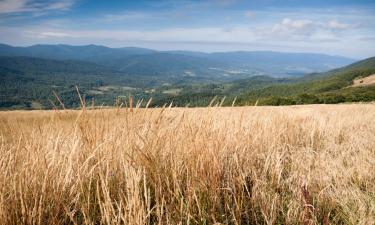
(224, 65)
(32, 77)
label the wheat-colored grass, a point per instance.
(250, 165)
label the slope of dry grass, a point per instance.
(365, 81)
(252, 165)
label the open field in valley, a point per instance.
(311, 164)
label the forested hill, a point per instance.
(335, 86)
(332, 87)
(27, 82)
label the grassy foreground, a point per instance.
(250, 165)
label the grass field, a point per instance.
(245, 165)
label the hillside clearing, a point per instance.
(365, 81)
(308, 164)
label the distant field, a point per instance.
(311, 164)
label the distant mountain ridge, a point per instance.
(142, 61)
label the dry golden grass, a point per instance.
(251, 165)
(366, 81)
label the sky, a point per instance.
(335, 27)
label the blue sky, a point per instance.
(336, 27)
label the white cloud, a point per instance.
(309, 29)
(334, 24)
(287, 25)
(53, 34)
(9, 6)
(126, 16)
(60, 5)
(17, 6)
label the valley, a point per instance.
(30, 76)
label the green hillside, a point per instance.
(203, 94)
(330, 87)
(27, 83)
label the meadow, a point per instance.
(311, 164)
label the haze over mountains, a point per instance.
(147, 62)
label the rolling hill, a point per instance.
(332, 87)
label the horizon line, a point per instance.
(183, 50)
